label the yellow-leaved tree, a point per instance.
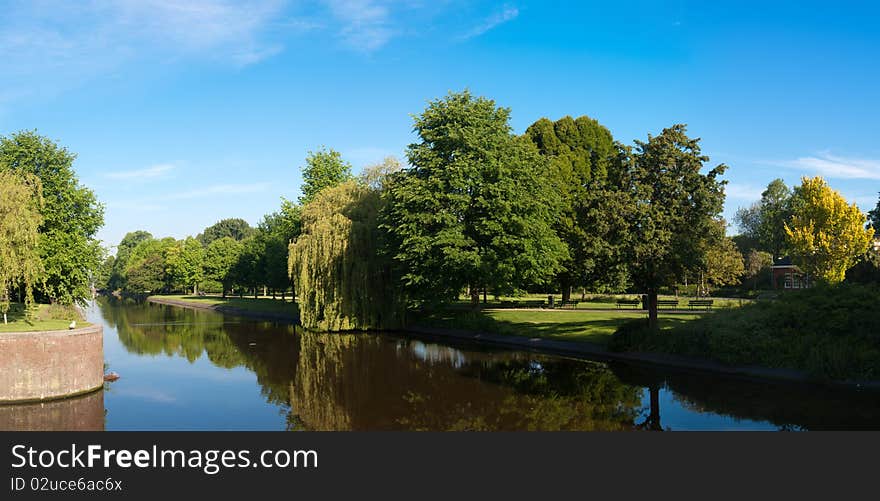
(826, 234)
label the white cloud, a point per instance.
(736, 191)
(366, 24)
(506, 14)
(833, 166)
(155, 171)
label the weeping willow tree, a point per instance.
(341, 279)
(21, 202)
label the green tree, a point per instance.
(324, 168)
(874, 217)
(272, 231)
(20, 220)
(220, 258)
(236, 228)
(247, 273)
(764, 221)
(341, 278)
(184, 263)
(724, 264)
(826, 234)
(145, 269)
(672, 207)
(474, 209)
(71, 215)
(581, 152)
(104, 272)
(123, 252)
(757, 264)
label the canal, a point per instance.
(199, 370)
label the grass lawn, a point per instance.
(47, 318)
(606, 301)
(584, 326)
(261, 305)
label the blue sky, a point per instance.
(186, 112)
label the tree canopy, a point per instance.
(20, 219)
(827, 235)
(235, 228)
(324, 168)
(764, 221)
(71, 215)
(581, 152)
(672, 209)
(474, 208)
(342, 280)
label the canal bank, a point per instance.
(290, 317)
(47, 365)
(577, 349)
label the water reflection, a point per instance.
(83, 413)
(197, 370)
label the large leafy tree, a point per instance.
(275, 239)
(341, 278)
(235, 228)
(20, 219)
(221, 257)
(324, 168)
(826, 234)
(146, 267)
(123, 252)
(184, 263)
(763, 223)
(581, 152)
(474, 209)
(673, 206)
(71, 215)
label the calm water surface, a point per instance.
(198, 370)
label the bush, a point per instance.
(828, 332)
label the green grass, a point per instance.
(828, 332)
(604, 301)
(46, 318)
(259, 305)
(582, 326)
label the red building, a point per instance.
(787, 275)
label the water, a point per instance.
(198, 370)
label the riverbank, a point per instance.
(582, 334)
(258, 309)
(45, 318)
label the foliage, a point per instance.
(20, 206)
(145, 269)
(123, 252)
(874, 217)
(829, 332)
(764, 221)
(71, 215)
(826, 235)
(474, 209)
(673, 206)
(324, 169)
(220, 258)
(723, 262)
(342, 281)
(757, 264)
(184, 263)
(248, 270)
(273, 235)
(581, 153)
(867, 269)
(235, 228)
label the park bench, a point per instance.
(569, 304)
(700, 303)
(532, 304)
(673, 303)
(509, 304)
(635, 303)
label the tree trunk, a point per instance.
(654, 417)
(652, 309)
(283, 292)
(566, 290)
(224, 292)
(475, 297)
(256, 292)
(484, 295)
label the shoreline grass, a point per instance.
(46, 318)
(249, 304)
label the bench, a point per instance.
(673, 303)
(569, 304)
(635, 303)
(531, 304)
(700, 303)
